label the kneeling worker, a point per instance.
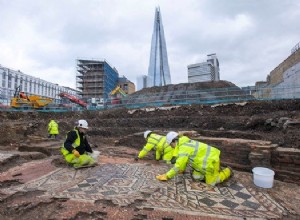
(203, 159)
(157, 142)
(76, 148)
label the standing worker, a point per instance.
(53, 129)
(157, 142)
(76, 148)
(203, 159)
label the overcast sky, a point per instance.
(44, 38)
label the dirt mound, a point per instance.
(275, 121)
(200, 92)
(187, 87)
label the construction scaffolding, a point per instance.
(95, 79)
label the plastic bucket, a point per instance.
(263, 177)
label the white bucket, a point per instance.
(263, 177)
(95, 154)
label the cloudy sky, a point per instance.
(44, 38)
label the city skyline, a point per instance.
(42, 40)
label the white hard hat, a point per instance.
(171, 136)
(146, 133)
(83, 124)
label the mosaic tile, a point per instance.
(124, 184)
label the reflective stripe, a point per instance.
(165, 145)
(145, 149)
(176, 169)
(198, 177)
(195, 152)
(206, 156)
(190, 144)
(151, 143)
(157, 139)
(196, 148)
(74, 145)
(183, 155)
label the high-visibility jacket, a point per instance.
(53, 127)
(77, 140)
(160, 145)
(201, 157)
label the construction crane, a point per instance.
(21, 100)
(73, 99)
(114, 92)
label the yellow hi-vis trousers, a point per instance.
(218, 176)
(83, 160)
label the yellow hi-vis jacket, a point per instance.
(53, 127)
(67, 150)
(202, 157)
(160, 145)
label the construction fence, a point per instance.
(179, 97)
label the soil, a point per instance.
(277, 121)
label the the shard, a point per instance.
(159, 71)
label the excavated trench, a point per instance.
(274, 121)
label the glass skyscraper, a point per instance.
(159, 71)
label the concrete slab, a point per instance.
(128, 184)
(4, 157)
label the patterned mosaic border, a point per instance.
(125, 184)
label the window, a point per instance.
(30, 86)
(9, 80)
(34, 87)
(4, 79)
(25, 85)
(16, 81)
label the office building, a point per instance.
(205, 71)
(11, 80)
(158, 71)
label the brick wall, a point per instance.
(245, 154)
(276, 75)
(286, 163)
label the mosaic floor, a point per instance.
(125, 184)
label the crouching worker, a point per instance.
(203, 159)
(158, 143)
(76, 148)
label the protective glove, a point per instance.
(173, 160)
(181, 172)
(162, 177)
(136, 158)
(76, 153)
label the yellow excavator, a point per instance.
(115, 98)
(21, 100)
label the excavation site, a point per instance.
(37, 183)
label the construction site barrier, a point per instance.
(181, 97)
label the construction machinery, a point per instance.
(114, 93)
(73, 99)
(21, 100)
